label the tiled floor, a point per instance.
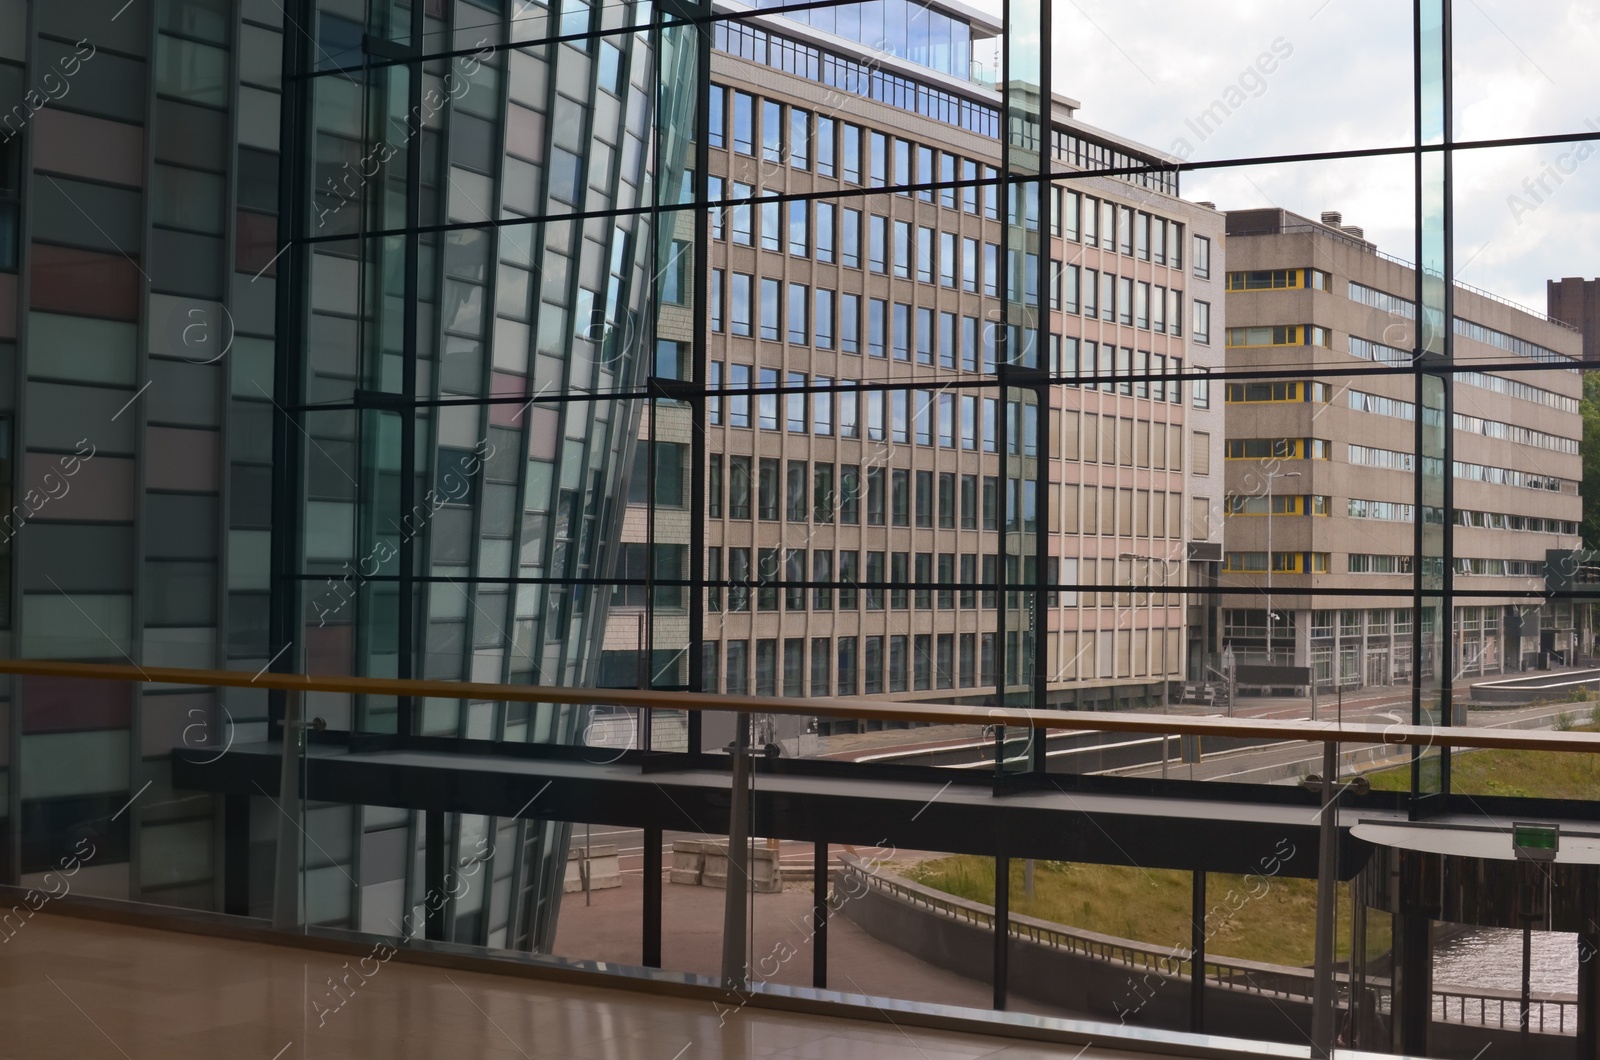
(83, 989)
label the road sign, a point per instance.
(1535, 842)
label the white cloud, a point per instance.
(1149, 69)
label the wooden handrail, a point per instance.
(845, 709)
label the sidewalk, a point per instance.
(780, 952)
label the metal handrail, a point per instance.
(1503, 1008)
(1493, 1008)
(1250, 976)
(1333, 731)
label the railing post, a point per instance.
(433, 874)
(1197, 954)
(651, 946)
(1002, 918)
(1323, 999)
(819, 914)
(286, 874)
(734, 957)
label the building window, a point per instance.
(743, 123)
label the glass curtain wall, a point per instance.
(478, 234)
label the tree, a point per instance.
(1590, 407)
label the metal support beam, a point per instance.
(1413, 960)
(734, 910)
(819, 914)
(1197, 954)
(433, 904)
(651, 946)
(286, 869)
(1002, 922)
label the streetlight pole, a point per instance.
(1272, 476)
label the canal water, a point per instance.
(1491, 959)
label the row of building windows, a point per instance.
(1123, 300)
(896, 581)
(1363, 563)
(1241, 623)
(1510, 343)
(882, 496)
(1107, 362)
(1123, 229)
(1280, 280)
(1510, 432)
(1282, 562)
(1406, 308)
(1089, 154)
(903, 28)
(1258, 393)
(867, 79)
(1388, 511)
(1367, 456)
(846, 151)
(848, 666)
(1379, 405)
(1392, 304)
(1516, 388)
(1277, 504)
(1506, 476)
(925, 417)
(1278, 448)
(1280, 335)
(904, 250)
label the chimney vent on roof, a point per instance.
(1354, 230)
(1207, 205)
(1333, 218)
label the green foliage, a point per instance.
(1256, 918)
(1566, 721)
(1527, 774)
(1590, 408)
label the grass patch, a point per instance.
(1528, 774)
(1153, 906)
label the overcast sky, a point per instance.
(1342, 78)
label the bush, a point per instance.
(1566, 721)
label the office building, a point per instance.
(1576, 301)
(1324, 465)
(820, 479)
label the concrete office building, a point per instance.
(1325, 466)
(1576, 301)
(903, 484)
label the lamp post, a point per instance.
(1272, 476)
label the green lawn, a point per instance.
(1543, 774)
(1153, 906)
(1277, 923)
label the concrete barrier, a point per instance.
(605, 871)
(704, 863)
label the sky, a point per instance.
(1338, 75)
